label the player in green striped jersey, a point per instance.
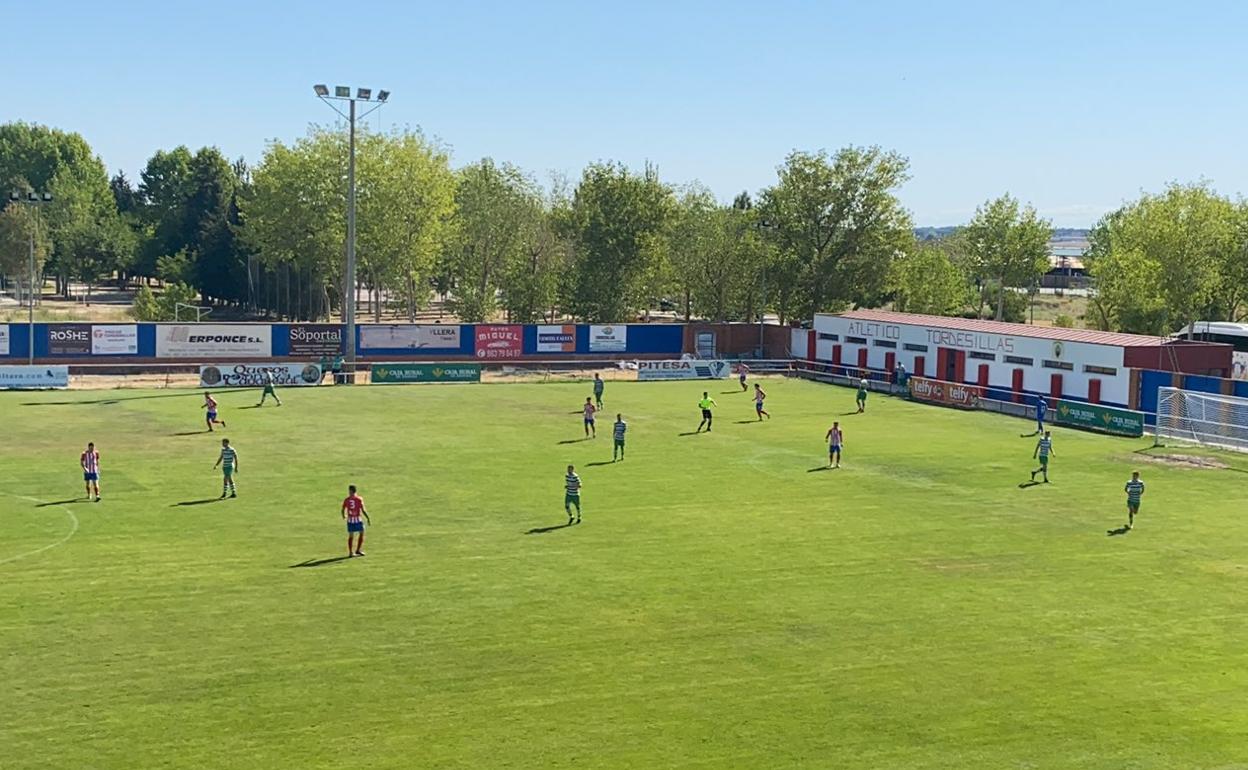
(620, 428)
(228, 460)
(572, 495)
(1134, 490)
(1044, 449)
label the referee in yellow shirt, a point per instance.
(705, 405)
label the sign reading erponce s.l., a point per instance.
(209, 341)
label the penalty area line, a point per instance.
(73, 530)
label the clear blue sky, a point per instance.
(1073, 107)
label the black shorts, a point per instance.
(706, 414)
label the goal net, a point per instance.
(1203, 418)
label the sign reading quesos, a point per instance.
(683, 370)
(253, 375)
(214, 341)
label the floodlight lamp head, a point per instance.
(321, 89)
(364, 93)
(47, 197)
(342, 92)
(383, 95)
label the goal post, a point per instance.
(1202, 418)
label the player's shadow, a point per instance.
(851, 414)
(190, 433)
(574, 440)
(61, 502)
(1115, 532)
(205, 501)
(689, 433)
(320, 562)
(748, 422)
(820, 468)
(1029, 484)
(730, 392)
(604, 462)
(544, 530)
(250, 406)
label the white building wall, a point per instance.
(797, 342)
(1036, 377)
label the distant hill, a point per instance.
(1059, 233)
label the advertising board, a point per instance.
(946, 393)
(33, 377)
(1239, 369)
(409, 336)
(499, 341)
(608, 338)
(1104, 419)
(683, 370)
(390, 373)
(556, 339)
(209, 341)
(69, 339)
(315, 340)
(114, 340)
(4, 339)
(253, 375)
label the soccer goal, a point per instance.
(1203, 418)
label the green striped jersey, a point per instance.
(228, 456)
(1046, 446)
(620, 427)
(1134, 489)
(574, 484)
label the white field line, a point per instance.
(73, 530)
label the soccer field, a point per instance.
(725, 604)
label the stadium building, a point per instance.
(1007, 360)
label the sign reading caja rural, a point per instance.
(389, 373)
(1106, 419)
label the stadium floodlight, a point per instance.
(321, 89)
(342, 92)
(47, 197)
(364, 93)
(383, 95)
(31, 198)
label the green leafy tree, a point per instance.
(616, 222)
(927, 279)
(1007, 246)
(838, 225)
(149, 306)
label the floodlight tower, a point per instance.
(34, 200)
(343, 94)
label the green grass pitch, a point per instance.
(723, 605)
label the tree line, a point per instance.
(829, 234)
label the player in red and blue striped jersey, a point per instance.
(90, 461)
(352, 510)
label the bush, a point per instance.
(149, 307)
(1063, 321)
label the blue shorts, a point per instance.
(212, 415)
(758, 406)
(90, 476)
(355, 526)
(589, 420)
(834, 448)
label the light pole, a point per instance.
(34, 200)
(343, 94)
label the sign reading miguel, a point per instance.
(498, 341)
(253, 375)
(683, 370)
(214, 341)
(947, 393)
(314, 340)
(69, 340)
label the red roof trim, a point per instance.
(1089, 336)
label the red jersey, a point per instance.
(91, 461)
(354, 506)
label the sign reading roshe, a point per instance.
(682, 370)
(425, 373)
(947, 393)
(34, 377)
(214, 341)
(1106, 419)
(69, 339)
(252, 375)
